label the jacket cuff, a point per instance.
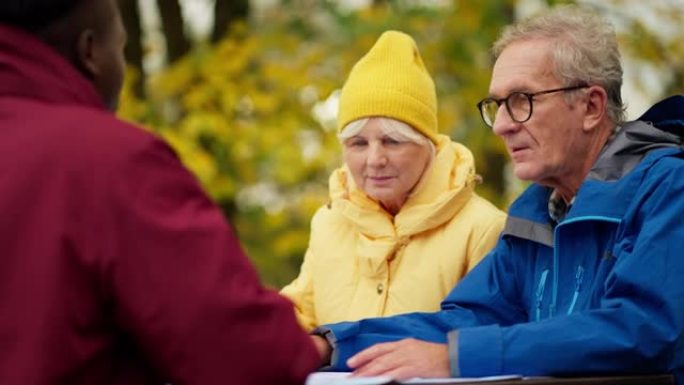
(480, 351)
(341, 352)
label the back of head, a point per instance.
(391, 81)
(89, 34)
(34, 15)
(585, 49)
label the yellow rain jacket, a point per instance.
(362, 262)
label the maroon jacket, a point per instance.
(115, 267)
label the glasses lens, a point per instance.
(519, 106)
(489, 108)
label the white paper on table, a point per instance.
(342, 378)
(461, 379)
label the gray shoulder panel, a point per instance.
(529, 230)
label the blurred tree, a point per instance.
(227, 12)
(133, 51)
(177, 43)
(173, 25)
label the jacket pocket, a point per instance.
(605, 266)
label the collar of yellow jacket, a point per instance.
(444, 189)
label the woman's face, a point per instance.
(387, 170)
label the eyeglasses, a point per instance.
(518, 104)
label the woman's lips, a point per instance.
(380, 179)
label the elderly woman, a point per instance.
(403, 224)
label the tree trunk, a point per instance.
(130, 14)
(225, 13)
(177, 43)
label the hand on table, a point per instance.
(403, 359)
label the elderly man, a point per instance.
(115, 267)
(586, 277)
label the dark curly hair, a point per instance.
(34, 15)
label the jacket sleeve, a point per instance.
(638, 325)
(486, 295)
(183, 289)
(300, 292)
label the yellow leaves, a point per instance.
(232, 57)
(173, 81)
(290, 241)
(130, 107)
(289, 156)
(222, 187)
(210, 124)
(265, 103)
(196, 159)
(198, 98)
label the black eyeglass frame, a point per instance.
(530, 97)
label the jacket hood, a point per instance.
(662, 126)
(30, 68)
(444, 189)
(668, 115)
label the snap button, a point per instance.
(380, 288)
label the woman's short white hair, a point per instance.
(393, 128)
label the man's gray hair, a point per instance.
(584, 49)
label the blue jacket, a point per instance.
(601, 292)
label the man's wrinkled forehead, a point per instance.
(523, 66)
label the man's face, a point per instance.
(549, 146)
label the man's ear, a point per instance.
(85, 53)
(596, 104)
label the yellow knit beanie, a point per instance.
(391, 81)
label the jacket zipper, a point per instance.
(578, 284)
(540, 293)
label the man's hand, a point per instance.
(323, 348)
(403, 359)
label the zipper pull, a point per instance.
(578, 285)
(540, 294)
(578, 278)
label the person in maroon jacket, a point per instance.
(115, 267)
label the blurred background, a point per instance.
(246, 92)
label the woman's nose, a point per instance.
(377, 156)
